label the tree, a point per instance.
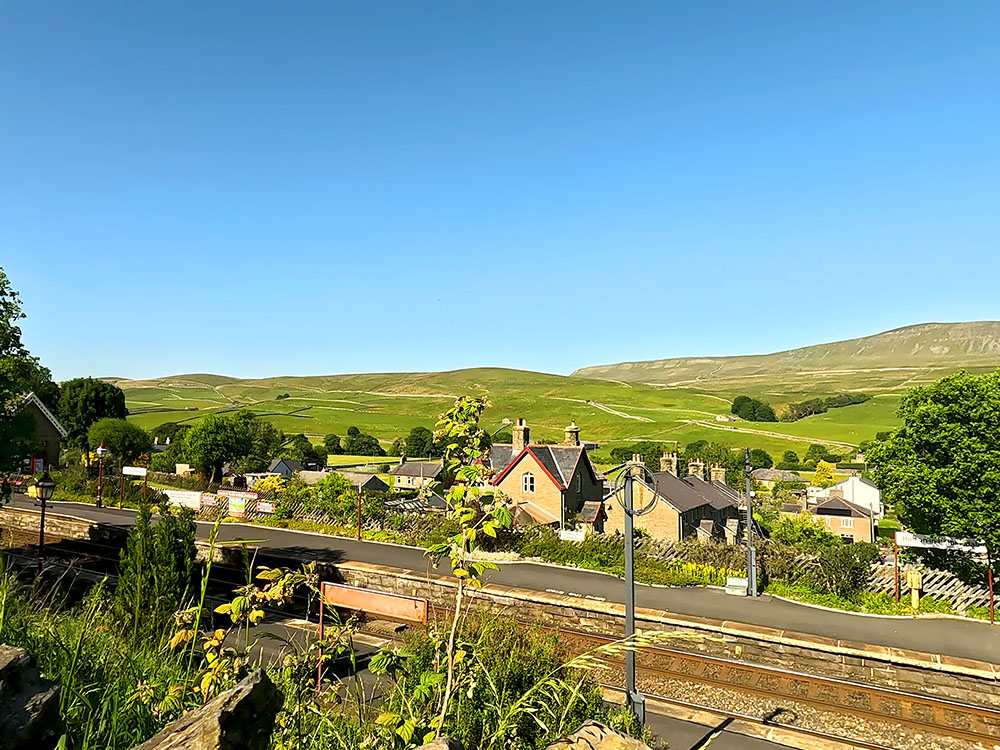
(358, 443)
(790, 457)
(941, 469)
(84, 401)
(823, 476)
(752, 410)
(760, 459)
(218, 438)
(815, 453)
(19, 373)
(266, 441)
(125, 440)
(419, 443)
(333, 446)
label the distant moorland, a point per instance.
(679, 400)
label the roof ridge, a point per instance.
(32, 397)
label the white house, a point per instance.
(854, 489)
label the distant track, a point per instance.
(781, 435)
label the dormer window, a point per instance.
(527, 482)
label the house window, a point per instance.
(528, 482)
(579, 483)
(847, 522)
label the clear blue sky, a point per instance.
(261, 188)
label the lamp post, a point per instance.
(751, 550)
(101, 453)
(624, 493)
(44, 487)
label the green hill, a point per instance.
(890, 361)
(674, 400)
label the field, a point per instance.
(389, 405)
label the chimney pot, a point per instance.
(572, 434)
(520, 436)
(696, 468)
(668, 463)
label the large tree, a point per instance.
(941, 469)
(125, 440)
(84, 401)
(265, 443)
(419, 443)
(216, 439)
(19, 373)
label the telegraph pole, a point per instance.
(635, 699)
(751, 550)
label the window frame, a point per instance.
(528, 483)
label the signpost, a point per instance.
(132, 471)
(909, 539)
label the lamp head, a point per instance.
(45, 487)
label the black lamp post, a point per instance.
(44, 487)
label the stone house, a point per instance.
(49, 433)
(855, 489)
(414, 475)
(555, 485)
(849, 521)
(686, 507)
(286, 467)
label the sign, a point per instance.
(909, 539)
(37, 465)
(208, 500)
(184, 498)
(571, 536)
(264, 507)
(397, 606)
(238, 501)
(134, 471)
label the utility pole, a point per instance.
(635, 699)
(751, 550)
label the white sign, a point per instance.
(571, 536)
(909, 539)
(184, 498)
(134, 471)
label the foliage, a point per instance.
(265, 444)
(752, 410)
(158, 570)
(301, 449)
(823, 477)
(215, 440)
(125, 440)
(84, 401)
(420, 443)
(358, 443)
(760, 459)
(804, 531)
(844, 569)
(19, 373)
(333, 446)
(795, 412)
(941, 469)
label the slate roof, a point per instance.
(290, 463)
(677, 492)
(715, 497)
(425, 469)
(560, 461)
(365, 481)
(591, 511)
(776, 475)
(864, 480)
(836, 506)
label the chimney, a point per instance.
(668, 463)
(696, 468)
(717, 473)
(167, 442)
(521, 436)
(156, 440)
(572, 434)
(402, 459)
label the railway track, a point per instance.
(976, 724)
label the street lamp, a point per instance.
(44, 488)
(623, 492)
(101, 453)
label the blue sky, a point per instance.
(254, 188)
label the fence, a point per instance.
(937, 583)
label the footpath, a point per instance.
(964, 639)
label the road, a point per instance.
(960, 638)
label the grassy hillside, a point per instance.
(668, 400)
(890, 361)
(388, 405)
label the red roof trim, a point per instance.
(517, 459)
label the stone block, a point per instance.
(29, 705)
